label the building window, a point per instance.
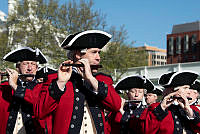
(179, 59)
(194, 42)
(186, 43)
(178, 45)
(153, 56)
(171, 60)
(194, 57)
(171, 46)
(185, 58)
(158, 56)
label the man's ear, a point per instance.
(78, 54)
(17, 66)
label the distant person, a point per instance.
(194, 93)
(152, 96)
(126, 120)
(42, 73)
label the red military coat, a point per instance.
(132, 121)
(67, 106)
(171, 121)
(11, 101)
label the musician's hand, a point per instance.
(184, 103)
(1, 77)
(86, 73)
(122, 106)
(64, 74)
(12, 78)
(167, 100)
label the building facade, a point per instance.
(156, 56)
(183, 44)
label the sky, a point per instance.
(146, 21)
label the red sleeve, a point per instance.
(45, 104)
(195, 123)
(112, 100)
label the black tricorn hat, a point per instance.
(156, 91)
(86, 39)
(25, 54)
(175, 79)
(195, 85)
(44, 71)
(130, 82)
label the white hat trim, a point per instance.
(37, 50)
(87, 32)
(140, 76)
(64, 41)
(170, 80)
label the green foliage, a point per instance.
(119, 56)
(44, 24)
(4, 50)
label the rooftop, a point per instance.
(186, 27)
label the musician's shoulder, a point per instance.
(52, 76)
(4, 83)
(102, 74)
(153, 106)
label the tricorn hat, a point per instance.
(25, 54)
(86, 39)
(44, 71)
(157, 91)
(195, 85)
(175, 79)
(130, 82)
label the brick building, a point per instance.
(183, 44)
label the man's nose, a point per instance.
(136, 94)
(98, 56)
(29, 67)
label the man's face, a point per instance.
(93, 55)
(151, 98)
(28, 67)
(136, 94)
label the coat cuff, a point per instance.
(196, 119)
(125, 117)
(160, 113)
(54, 90)
(20, 92)
(102, 90)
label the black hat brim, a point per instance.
(134, 82)
(86, 39)
(180, 79)
(25, 54)
(155, 91)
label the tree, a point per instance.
(4, 50)
(119, 56)
(44, 24)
